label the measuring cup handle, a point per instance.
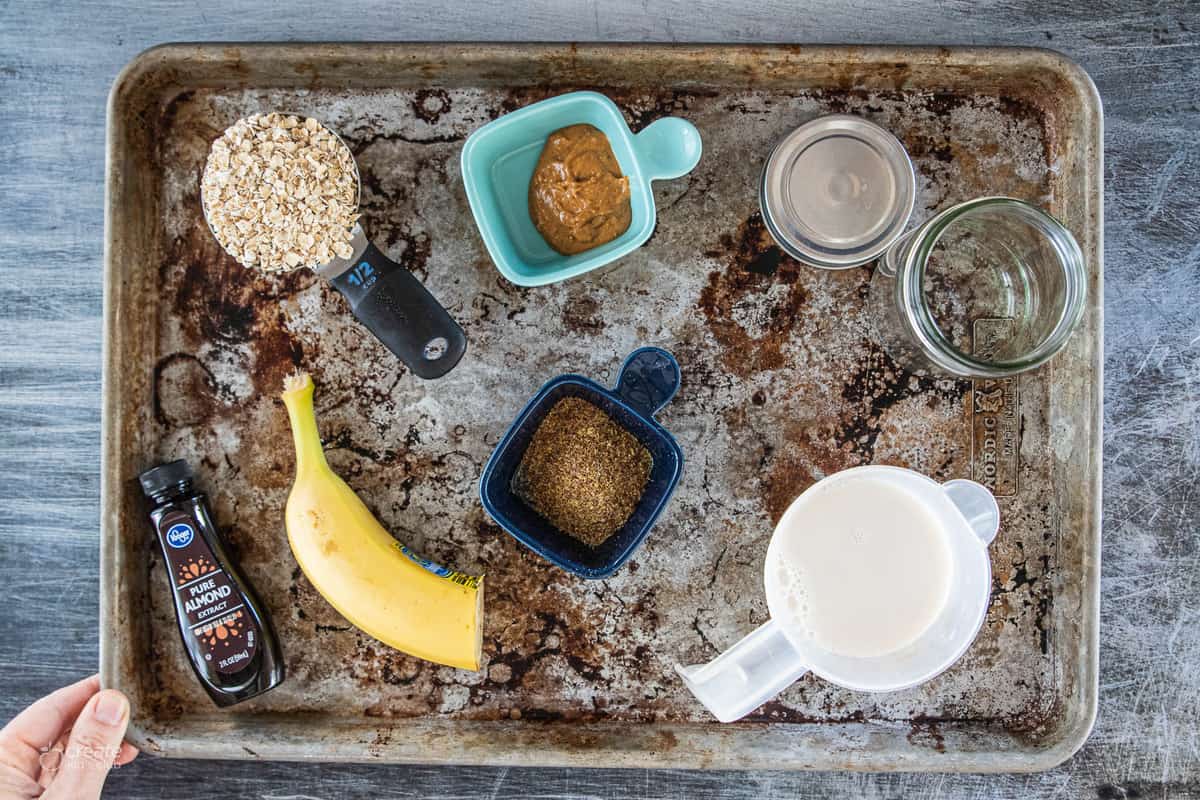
(649, 379)
(746, 675)
(402, 314)
(977, 505)
(668, 148)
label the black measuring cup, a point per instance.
(397, 308)
(389, 300)
(649, 379)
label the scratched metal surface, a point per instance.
(781, 385)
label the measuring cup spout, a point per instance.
(746, 675)
(977, 505)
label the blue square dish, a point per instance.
(498, 161)
(648, 380)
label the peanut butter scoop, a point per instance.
(578, 198)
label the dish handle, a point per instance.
(649, 379)
(668, 148)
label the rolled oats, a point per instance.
(281, 192)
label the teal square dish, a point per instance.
(498, 162)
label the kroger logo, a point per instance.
(180, 535)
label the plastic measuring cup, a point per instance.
(648, 380)
(774, 656)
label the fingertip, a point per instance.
(78, 692)
(48, 718)
(90, 680)
(84, 686)
(110, 707)
(94, 746)
(128, 753)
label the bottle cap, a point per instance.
(837, 191)
(164, 476)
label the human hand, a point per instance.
(62, 746)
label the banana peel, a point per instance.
(374, 581)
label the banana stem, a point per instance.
(298, 397)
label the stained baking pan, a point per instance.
(781, 385)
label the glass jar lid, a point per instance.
(837, 191)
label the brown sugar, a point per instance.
(582, 471)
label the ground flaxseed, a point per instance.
(582, 471)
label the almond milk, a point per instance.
(861, 566)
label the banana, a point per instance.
(376, 583)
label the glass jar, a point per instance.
(985, 289)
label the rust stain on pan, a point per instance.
(781, 386)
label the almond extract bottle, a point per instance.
(226, 632)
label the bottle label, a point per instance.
(211, 606)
